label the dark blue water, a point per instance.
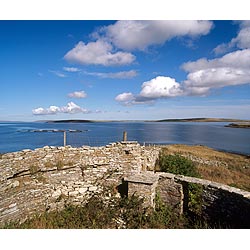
(16, 136)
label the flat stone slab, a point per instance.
(129, 142)
(146, 178)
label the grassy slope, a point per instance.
(226, 168)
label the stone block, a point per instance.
(56, 193)
(12, 205)
(93, 188)
(15, 184)
(73, 193)
(82, 190)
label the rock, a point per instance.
(15, 184)
(56, 194)
(12, 205)
(93, 188)
(26, 150)
(73, 193)
(82, 190)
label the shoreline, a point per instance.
(152, 144)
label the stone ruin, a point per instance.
(45, 179)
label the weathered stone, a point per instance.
(15, 184)
(12, 205)
(73, 193)
(145, 177)
(56, 194)
(82, 190)
(26, 150)
(93, 188)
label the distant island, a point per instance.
(202, 120)
(238, 125)
(164, 120)
(69, 121)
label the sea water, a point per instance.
(15, 136)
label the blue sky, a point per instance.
(115, 70)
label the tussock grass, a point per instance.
(227, 168)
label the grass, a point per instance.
(127, 213)
(33, 169)
(222, 167)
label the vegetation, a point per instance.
(127, 212)
(213, 165)
(177, 164)
(34, 169)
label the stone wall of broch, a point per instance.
(45, 179)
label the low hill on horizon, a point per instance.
(69, 121)
(163, 120)
(202, 120)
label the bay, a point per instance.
(15, 136)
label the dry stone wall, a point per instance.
(221, 205)
(32, 181)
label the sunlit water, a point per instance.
(17, 136)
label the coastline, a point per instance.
(191, 146)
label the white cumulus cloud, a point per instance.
(236, 59)
(48, 111)
(128, 36)
(132, 35)
(203, 75)
(77, 94)
(161, 87)
(70, 108)
(99, 52)
(229, 70)
(156, 88)
(125, 97)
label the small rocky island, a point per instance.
(238, 125)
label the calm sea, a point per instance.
(18, 136)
